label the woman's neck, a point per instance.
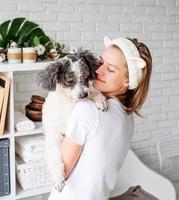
(120, 97)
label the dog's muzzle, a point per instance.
(82, 95)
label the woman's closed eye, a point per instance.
(110, 69)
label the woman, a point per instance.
(96, 142)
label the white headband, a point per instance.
(134, 62)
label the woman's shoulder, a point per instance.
(85, 103)
(85, 115)
(85, 108)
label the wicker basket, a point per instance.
(33, 174)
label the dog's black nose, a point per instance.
(83, 95)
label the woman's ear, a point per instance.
(125, 83)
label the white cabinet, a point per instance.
(10, 70)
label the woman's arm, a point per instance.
(70, 153)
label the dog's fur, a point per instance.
(68, 81)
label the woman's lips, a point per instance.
(100, 80)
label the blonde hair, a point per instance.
(134, 99)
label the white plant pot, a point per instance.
(14, 55)
(29, 55)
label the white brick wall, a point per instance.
(84, 22)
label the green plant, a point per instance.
(23, 32)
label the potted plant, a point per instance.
(22, 33)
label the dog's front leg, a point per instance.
(54, 159)
(98, 98)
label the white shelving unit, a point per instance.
(11, 133)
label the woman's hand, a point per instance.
(70, 152)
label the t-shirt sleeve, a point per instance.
(83, 121)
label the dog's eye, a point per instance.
(85, 81)
(70, 80)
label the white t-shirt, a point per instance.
(106, 137)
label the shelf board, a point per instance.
(6, 134)
(29, 193)
(6, 197)
(6, 67)
(35, 131)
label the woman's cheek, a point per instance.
(96, 84)
(100, 86)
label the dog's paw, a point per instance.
(101, 103)
(59, 186)
(98, 98)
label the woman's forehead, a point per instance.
(113, 56)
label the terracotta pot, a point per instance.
(34, 115)
(37, 99)
(36, 106)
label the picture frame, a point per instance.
(4, 96)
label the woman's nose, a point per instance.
(101, 70)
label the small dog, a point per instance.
(68, 80)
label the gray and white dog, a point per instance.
(68, 80)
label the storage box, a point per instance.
(4, 167)
(32, 175)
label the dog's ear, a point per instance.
(49, 76)
(91, 61)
